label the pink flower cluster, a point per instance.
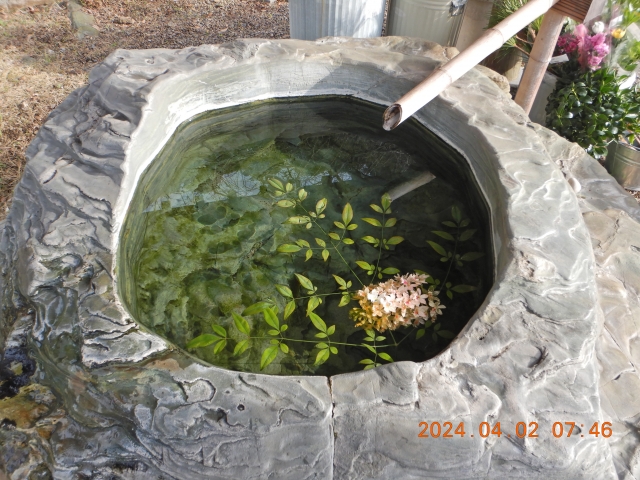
(397, 302)
(590, 50)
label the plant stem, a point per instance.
(332, 244)
(380, 249)
(319, 340)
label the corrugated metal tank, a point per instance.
(428, 19)
(312, 19)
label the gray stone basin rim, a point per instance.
(525, 356)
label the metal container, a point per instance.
(313, 19)
(623, 163)
(434, 20)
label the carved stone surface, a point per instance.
(128, 401)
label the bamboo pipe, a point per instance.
(539, 58)
(448, 73)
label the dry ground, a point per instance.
(42, 60)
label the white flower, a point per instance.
(597, 27)
(395, 303)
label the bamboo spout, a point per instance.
(448, 73)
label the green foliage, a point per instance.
(523, 40)
(457, 235)
(591, 109)
(331, 244)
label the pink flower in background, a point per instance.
(590, 50)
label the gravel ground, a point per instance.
(42, 60)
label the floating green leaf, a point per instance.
(445, 235)
(325, 254)
(339, 225)
(318, 322)
(289, 309)
(463, 288)
(304, 281)
(284, 291)
(241, 324)
(334, 236)
(333, 350)
(241, 347)
(347, 214)
(286, 203)
(395, 240)
(308, 255)
(353, 226)
(257, 308)
(456, 214)
(297, 220)
(302, 194)
(372, 221)
(347, 241)
(203, 341)
(288, 248)
(323, 356)
(218, 330)
(288, 187)
(275, 333)
(340, 281)
(386, 203)
(321, 205)
(369, 367)
(385, 356)
(420, 333)
(284, 348)
(469, 257)
(438, 248)
(390, 222)
(268, 356)
(313, 304)
(390, 271)
(467, 234)
(446, 334)
(449, 223)
(219, 346)
(364, 265)
(369, 239)
(331, 330)
(276, 183)
(376, 208)
(271, 318)
(303, 243)
(366, 361)
(321, 242)
(346, 298)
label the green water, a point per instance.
(200, 239)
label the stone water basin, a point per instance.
(524, 353)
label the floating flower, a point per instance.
(618, 33)
(395, 303)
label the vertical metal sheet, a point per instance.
(312, 19)
(428, 19)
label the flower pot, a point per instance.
(623, 163)
(313, 19)
(434, 20)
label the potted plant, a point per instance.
(591, 104)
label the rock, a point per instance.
(495, 77)
(527, 355)
(82, 22)
(26, 408)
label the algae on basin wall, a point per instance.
(200, 240)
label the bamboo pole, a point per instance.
(448, 73)
(539, 58)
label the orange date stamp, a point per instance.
(522, 430)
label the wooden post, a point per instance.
(539, 58)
